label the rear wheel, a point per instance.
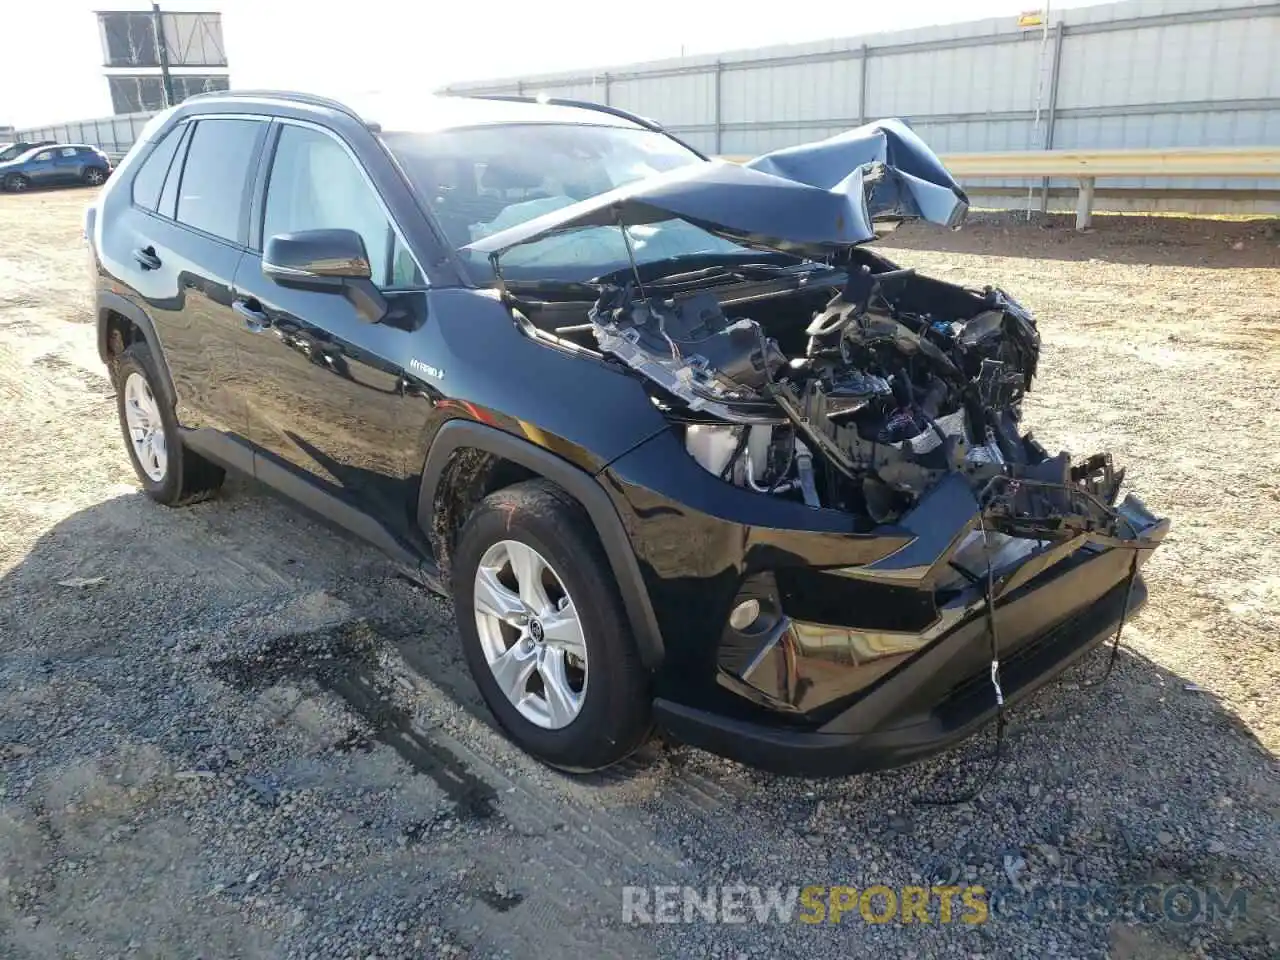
(16, 183)
(544, 632)
(95, 176)
(169, 473)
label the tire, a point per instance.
(94, 176)
(177, 476)
(16, 183)
(614, 703)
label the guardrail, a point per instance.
(1087, 166)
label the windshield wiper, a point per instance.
(711, 266)
(733, 271)
(743, 271)
(587, 290)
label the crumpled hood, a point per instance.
(811, 199)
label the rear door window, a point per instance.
(215, 177)
(149, 179)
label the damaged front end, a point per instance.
(840, 380)
(903, 380)
(896, 532)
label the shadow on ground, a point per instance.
(131, 625)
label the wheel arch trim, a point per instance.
(461, 434)
(109, 303)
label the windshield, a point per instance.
(11, 151)
(479, 180)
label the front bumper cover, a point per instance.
(1051, 607)
(894, 724)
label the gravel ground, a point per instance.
(229, 731)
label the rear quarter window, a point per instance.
(149, 180)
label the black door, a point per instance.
(326, 387)
(185, 237)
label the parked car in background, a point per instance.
(49, 166)
(11, 151)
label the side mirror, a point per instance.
(330, 261)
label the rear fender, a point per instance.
(109, 303)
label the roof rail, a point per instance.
(582, 105)
(308, 98)
(567, 102)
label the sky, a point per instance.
(377, 44)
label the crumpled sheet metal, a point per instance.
(811, 199)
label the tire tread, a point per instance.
(190, 477)
(611, 728)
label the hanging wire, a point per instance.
(1124, 612)
(947, 800)
(989, 602)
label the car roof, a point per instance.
(422, 113)
(443, 113)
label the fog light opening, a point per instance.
(745, 614)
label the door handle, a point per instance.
(251, 311)
(147, 258)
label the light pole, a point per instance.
(162, 54)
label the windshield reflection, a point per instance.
(480, 180)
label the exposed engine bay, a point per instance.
(897, 380)
(831, 376)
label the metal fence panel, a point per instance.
(962, 80)
(1144, 73)
(797, 91)
(680, 101)
(1223, 60)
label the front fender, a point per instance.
(462, 434)
(472, 355)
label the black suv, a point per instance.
(680, 446)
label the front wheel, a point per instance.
(95, 176)
(16, 183)
(544, 632)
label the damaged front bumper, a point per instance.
(876, 663)
(937, 698)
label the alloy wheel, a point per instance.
(17, 184)
(146, 429)
(531, 634)
(94, 176)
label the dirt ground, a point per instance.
(230, 731)
(1162, 345)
